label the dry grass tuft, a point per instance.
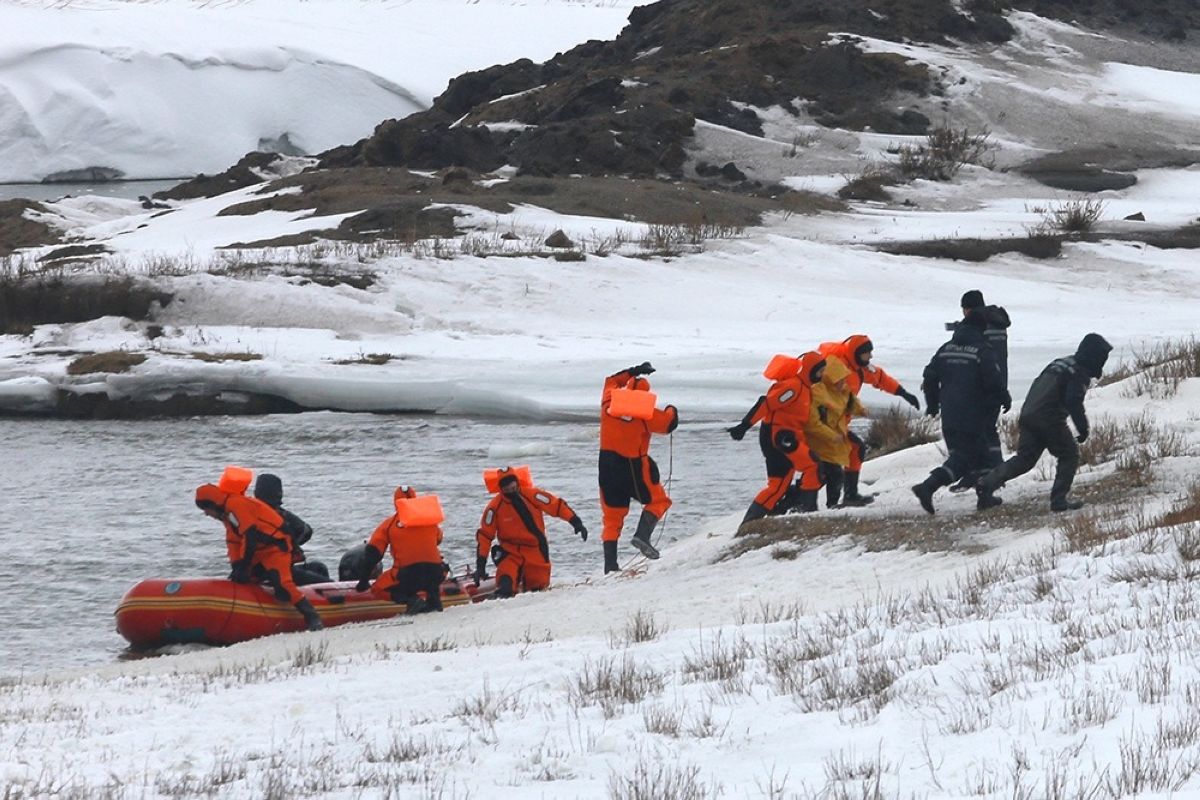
(945, 151)
(373, 359)
(1158, 370)
(214, 358)
(897, 429)
(113, 361)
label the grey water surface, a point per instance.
(88, 508)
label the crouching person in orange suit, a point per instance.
(515, 519)
(413, 534)
(627, 472)
(783, 413)
(258, 547)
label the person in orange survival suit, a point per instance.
(855, 353)
(211, 499)
(417, 565)
(783, 412)
(257, 546)
(627, 472)
(515, 518)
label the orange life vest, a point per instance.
(629, 436)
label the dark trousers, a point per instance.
(995, 454)
(968, 452)
(424, 577)
(1034, 440)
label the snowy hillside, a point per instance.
(176, 88)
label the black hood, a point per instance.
(269, 489)
(997, 317)
(1092, 354)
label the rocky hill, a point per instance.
(628, 106)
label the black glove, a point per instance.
(909, 398)
(240, 572)
(480, 569)
(931, 411)
(579, 527)
(737, 432)
(643, 368)
(1006, 403)
(1082, 437)
(785, 440)
(362, 585)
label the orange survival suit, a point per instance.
(417, 566)
(855, 353)
(783, 412)
(627, 472)
(256, 544)
(515, 518)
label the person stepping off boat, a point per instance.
(628, 418)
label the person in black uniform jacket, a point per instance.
(963, 382)
(269, 489)
(996, 334)
(1056, 394)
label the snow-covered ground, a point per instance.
(462, 331)
(1049, 667)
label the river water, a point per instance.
(87, 509)
(129, 190)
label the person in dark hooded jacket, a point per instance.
(1055, 395)
(996, 334)
(269, 489)
(963, 383)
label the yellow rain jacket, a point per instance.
(833, 405)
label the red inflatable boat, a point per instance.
(159, 611)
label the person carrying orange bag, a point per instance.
(627, 472)
(412, 534)
(515, 519)
(783, 412)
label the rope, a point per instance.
(662, 523)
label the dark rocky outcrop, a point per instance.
(98, 405)
(17, 232)
(1172, 20)
(628, 106)
(239, 176)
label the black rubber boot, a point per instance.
(926, 488)
(808, 501)
(833, 491)
(415, 605)
(504, 586)
(433, 601)
(755, 511)
(986, 500)
(610, 558)
(312, 620)
(851, 497)
(1065, 503)
(641, 539)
